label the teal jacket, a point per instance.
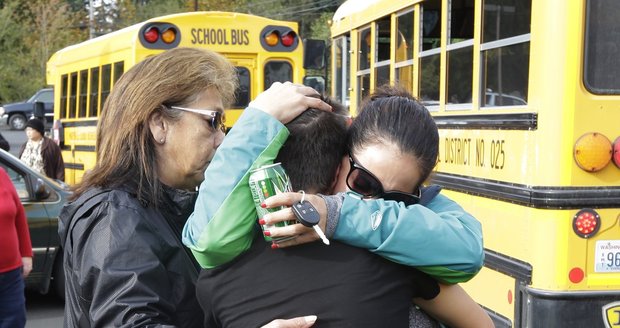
(441, 239)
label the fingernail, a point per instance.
(261, 221)
(267, 233)
(274, 246)
(263, 205)
(310, 318)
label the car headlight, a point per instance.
(1, 110)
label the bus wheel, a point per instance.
(58, 276)
(17, 122)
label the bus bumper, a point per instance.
(570, 309)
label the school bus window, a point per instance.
(63, 96)
(505, 74)
(242, 94)
(431, 25)
(460, 52)
(106, 72)
(73, 95)
(364, 49)
(404, 51)
(429, 57)
(505, 18)
(94, 92)
(382, 64)
(83, 92)
(119, 68)
(340, 68)
(277, 71)
(602, 44)
(363, 86)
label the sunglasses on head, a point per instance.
(217, 118)
(366, 184)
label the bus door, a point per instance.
(247, 89)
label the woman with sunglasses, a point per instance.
(124, 262)
(393, 146)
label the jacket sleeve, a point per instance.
(121, 277)
(220, 228)
(440, 239)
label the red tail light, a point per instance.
(616, 154)
(586, 223)
(151, 34)
(288, 39)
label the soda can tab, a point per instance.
(267, 181)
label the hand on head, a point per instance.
(285, 101)
(302, 233)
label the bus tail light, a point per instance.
(271, 38)
(576, 275)
(586, 223)
(592, 152)
(151, 34)
(169, 35)
(288, 39)
(616, 154)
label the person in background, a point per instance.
(41, 153)
(4, 144)
(15, 255)
(124, 261)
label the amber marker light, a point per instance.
(169, 35)
(616, 154)
(586, 223)
(151, 34)
(592, 152)
(271, 38)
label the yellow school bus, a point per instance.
(526, 96)
(263, 50)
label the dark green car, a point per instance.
(43, 200)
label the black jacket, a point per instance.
(125, 264)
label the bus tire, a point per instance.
(58, 276)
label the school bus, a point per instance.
(526, 96)
(263, 50)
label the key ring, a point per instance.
(303, 196)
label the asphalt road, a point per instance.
(15, 138)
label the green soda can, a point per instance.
(265, 182)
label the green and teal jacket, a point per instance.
(440, 238)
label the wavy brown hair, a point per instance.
(125, 145)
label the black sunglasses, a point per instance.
(217, 118)
(366, 184)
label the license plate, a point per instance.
(607, 256)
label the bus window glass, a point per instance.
(429, 80)
(602, 44)
(461, 21)
(363, 83)
(83, 92)
(364, 49)
(382, 75)
(338, 64)
(119, 68)
(404, 43)
(404, 51)
(277, 71)
(73, 95)
(242, 94)
(505, 75)
(62, 111)
(106, 78)
(94, 92)
(460, 65)
(505, 18)
(431, 25)
(383, 39)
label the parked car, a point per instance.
(43, 199)
(17, 114)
